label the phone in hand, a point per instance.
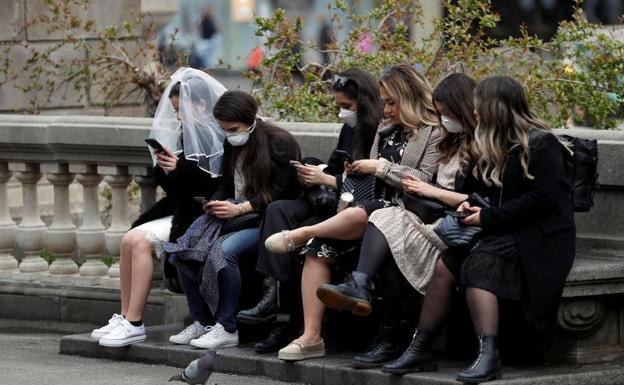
(153, 143)
(201, 200)
(458, 214)
(345, 156)
(294, 163)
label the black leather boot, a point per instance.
(486, 367)
(266, 309)
(417, 357)
(386, 347)
(280, 336)
(351, 295)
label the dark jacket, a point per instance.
(540, 216)
(283, 185)
(181, 185)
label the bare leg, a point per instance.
(347, 225)
(483, 307)
(142, 271)
(437, 300)
(125, 268)
(315, 273)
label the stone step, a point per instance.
(334, 369)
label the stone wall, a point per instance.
(14, 14)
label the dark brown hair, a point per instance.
(266, 143)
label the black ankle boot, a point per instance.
(417, 357)
(386, 347)
(487, 366)
(265, 310)
(351, 295)
(279, 337)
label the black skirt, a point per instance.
(492, 265)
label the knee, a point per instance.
(358, 215)
(141, 244)
(442, 273)
(128, 238)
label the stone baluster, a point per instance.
(62, 232)
(147, 182)
(8, 263)
(118, 179)
(90, 234)
(31, 232)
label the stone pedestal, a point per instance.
(147, 182)
(118, 179)
(90, 234)
(62, 232)
(31, 232)
(8, 229)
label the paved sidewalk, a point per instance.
(31, 358)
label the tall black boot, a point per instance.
(487, 366)
(417, 357)
(281, 334)
(386, 347)
(266, 309)
(351, 295)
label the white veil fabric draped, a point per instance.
(197, 133)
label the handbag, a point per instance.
(321, 197)
(361, 186)
(428, 210)
(455, 234)
(241, 222)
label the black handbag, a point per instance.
(428, 210)
(455, 234)
(241, 222)
(361, 186)
(321, 197)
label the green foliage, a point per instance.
(580, 69)
(108, 260)
(48, 256)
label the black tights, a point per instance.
(373, 252)
(483, 305)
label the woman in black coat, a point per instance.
(357, 96)
(528, 234)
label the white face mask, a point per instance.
(451, 125)
(240, 138)
(348, 116)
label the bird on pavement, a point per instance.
(198, 371)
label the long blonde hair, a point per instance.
(411, 90)
(504, 122)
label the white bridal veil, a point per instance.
(202, 138)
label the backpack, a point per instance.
(582, 170)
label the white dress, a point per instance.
(157, 231)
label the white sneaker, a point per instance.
(124, 334)
(191, 332)
(104, 330)
(216, 337)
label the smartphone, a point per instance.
(345, 155)
(201, 200)
(457, 214)
(294, 163)
(153, 143)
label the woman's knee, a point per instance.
(358, 215)
(442, 273)
(141, 245)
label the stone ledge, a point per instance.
(331, 370)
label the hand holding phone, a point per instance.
(294, 163)
(458, 214)
(201, 200)
(345, 156)
(153, 143)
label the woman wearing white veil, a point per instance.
(187, 165)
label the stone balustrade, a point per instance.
(111, 150)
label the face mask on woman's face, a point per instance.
(348, 116)
(240, 138)
(451, 125)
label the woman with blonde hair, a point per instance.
(526, 248)
(404, 145)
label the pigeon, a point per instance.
(198, 371)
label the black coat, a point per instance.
(540, 216)
(283, 179)
(180, 185)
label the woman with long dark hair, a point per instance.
(528, 234)
(405, 145)
(397, 244)
(256, 171)
(357, 96)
